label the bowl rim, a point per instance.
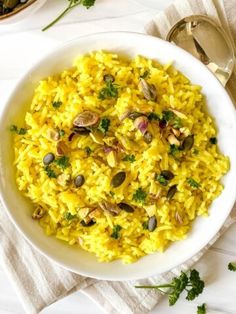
(26, 74)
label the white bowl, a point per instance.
(72, 258)
(21, 15)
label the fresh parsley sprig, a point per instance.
(190, 282)
(232, 266)
(71, 5)
(201, 309)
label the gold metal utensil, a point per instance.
(208, 42)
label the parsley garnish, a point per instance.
(201, 309)
(232, 266)
(104, 125)
(191, 283)
(145, 74)
(139, 195)
(62, 133)
(174, 149)
(88, 150)
(195, 151)
(130, 158)
(167, 115)
(56, 104)
(153, 116)
(161, 179)
(213, 140)
(68, 216)
(50, 172)
(193, 183)
(109, 91)
(72, 4)
(115, 233)
(112, 193)
(21, 131)
(177, 123)
(145, 225)
(62, 162)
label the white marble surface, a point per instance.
(20, 46)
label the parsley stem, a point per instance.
(155, 287)
(70, 6)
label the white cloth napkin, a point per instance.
(39, 282)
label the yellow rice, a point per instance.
(78, 89)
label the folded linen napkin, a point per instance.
(39, 282)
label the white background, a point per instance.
(20, 46)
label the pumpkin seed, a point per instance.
(88, 224)
(81, 130)
(118, 179)
(152, 223)
(38, 213)
(112, 209)
(171, 192)
(188, 142)
(134, 115)
(86, 118)
(126, 207)
(79, 181)
(48, 159)
(147, 137)
(168, 175)
(149, 90)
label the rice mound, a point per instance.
(76, 90)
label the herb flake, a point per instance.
(130, 158)
(232, 266)
(213, 140)
(160, 178)
(68, 216)
(50, 172)
(193, 183)
(109, 91)
(56, 104)
(152, 116)
(116, 232)
(139, 195)
(104, 125)
(21, 131)
(62, 162)
(201, 309)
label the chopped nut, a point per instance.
(96, 137)
(38, 213)
(61, 148)
(151, 210)
(112, 209)
(141, 123)
(179, 114)
(86, 118)
(185, 131)
(176, 132)
(112, 159)
(173, 140)
(178, 218)
(96, 213)
(63, 179)
(53, 135)
(83, 212)
(149, 90)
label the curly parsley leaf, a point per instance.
(193, 183)
(116, 232)
(50, 172)
(130, 158)
(145, 74)
(139, 195)
(109, 91)
(152, 116)
(62, 162)
(104, 125)
(179, 284)
(21, 131)
(232, 266)
(68, 216)
(161, 179)
(213, 140)
(56, 104)
(201, 309)
(174, 150)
